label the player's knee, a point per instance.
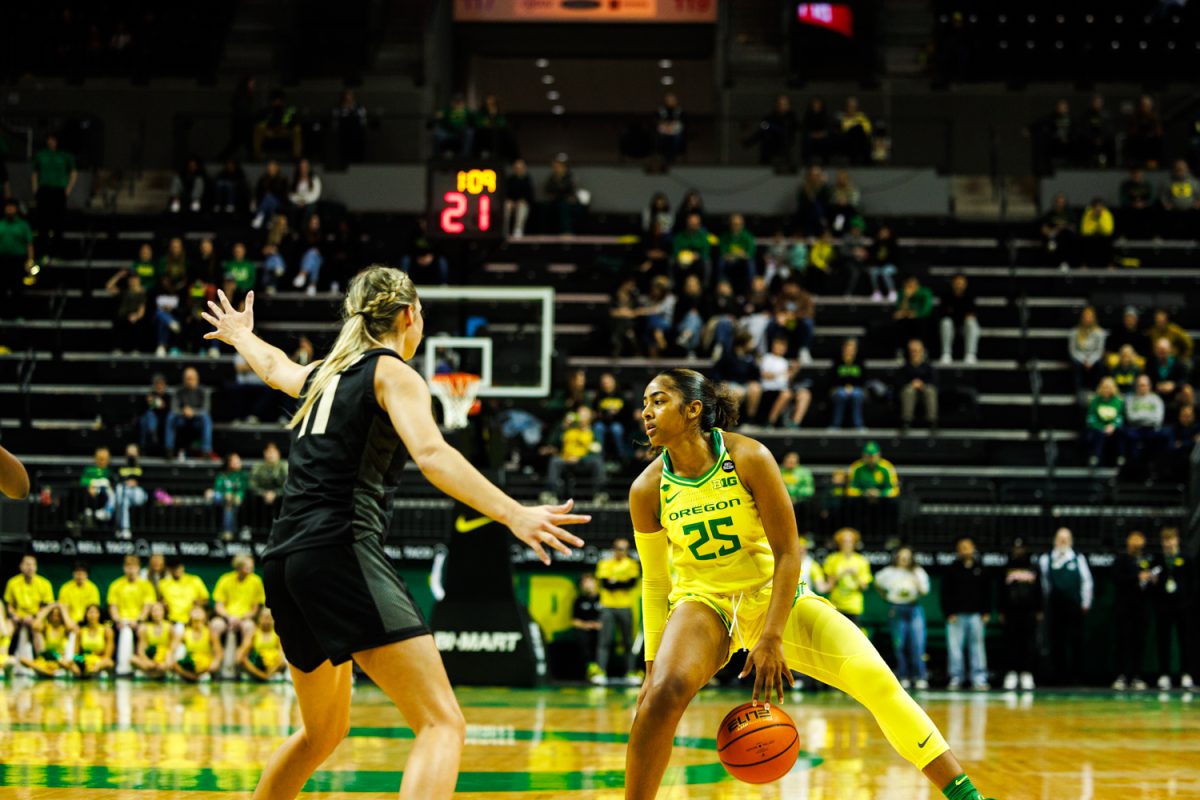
(870, 678)
(670, 692)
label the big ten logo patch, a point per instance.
(725, 482)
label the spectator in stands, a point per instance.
(872, 476)
(585, 619)
(1128, 335)
(913, 311)
(152, 422)
(243, 112)
(848, 573)
(820, 263)
(776, 373)
(688, 319)
(1185, 435)
(188, 187)
(97, 482)
(1085, 346)
(1143, 431)
(1095, 135)
(131, 310)
(623, 313)
(127, 490)
(350, 127)
(1058, 232)
(1181, 192)
(738, 369)
(53, 179)
(190, 417)
(146, 267)
(273, 264)
(228, 493)
(280, 127)
(173, 269)
(237, 597)
(917, 378)
(658, 221)
(1105, 420)
(129, 599)
(854, 134)
(266, 483)
(24, 595)
(1144, 136)
(692, 203)
(659, 311)
(242, 272)
(848, 378)
(854, 254)
(1164, 328)
(814, 199)
(78, 593)
(669, 130)
(1067, 587)
(232, 190)
(453, 134)
(958, 313)
(308, 276)
(1126, 370)
(966, 599)
(721, 327)
(882, 267)
(306, 190)
(493, 137)
(422, 262)
(518, 199)
(800, 486)
(776, 135)
(1138, 205)
(815, 142)
(1168, 371)
(1132, 583)
(578, 450)
(1174, 577)
(737, 249)
(1059, 130)
(609, 428)
(844, 201)
(619, 594)
(562, 197)
(1020, 609)
(16, 261)
(692, 251)
(270, 194)
(1096, 235)
(902, 586)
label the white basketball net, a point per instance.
(457, 392)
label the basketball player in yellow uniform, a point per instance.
(714, 505)
(261, 654)
(202, 649)
(154, 643)
(51, 630)
(94, 650)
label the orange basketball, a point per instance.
(758, 744)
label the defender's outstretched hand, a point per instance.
(226, 320)
(539, 525)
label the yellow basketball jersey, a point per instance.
(199, 645)
(92, 640)
(55, 638)
(718, 545)
(160, 640)
(267, 647)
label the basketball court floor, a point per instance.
(138, 741)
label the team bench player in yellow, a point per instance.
(715, 504)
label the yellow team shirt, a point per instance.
(158, 643)
(77, 598)
(577, 442)
(844, 594)
(239, 597)
(54, 639)
(28, 598)
(92, 641)
(268, 648)
(130, 597)
(618, 582)
(180, 596)
(718, 545)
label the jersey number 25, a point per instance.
(712, 528)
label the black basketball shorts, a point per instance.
(331, 602)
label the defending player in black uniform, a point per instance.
(334, 595)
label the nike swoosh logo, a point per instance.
(672, 497)
(922, 744)
(959, 782)
(464, 525)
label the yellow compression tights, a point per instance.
(820, 642)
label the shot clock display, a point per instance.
(466, 201)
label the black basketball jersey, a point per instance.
(343, 467)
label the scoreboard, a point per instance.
(465, 200)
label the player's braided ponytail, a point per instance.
(720, 404)
(373, 299)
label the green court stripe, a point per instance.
(350, 781)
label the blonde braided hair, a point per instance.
(373, 300)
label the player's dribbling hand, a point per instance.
(770, 669)
(226, 320)
(539, 525)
